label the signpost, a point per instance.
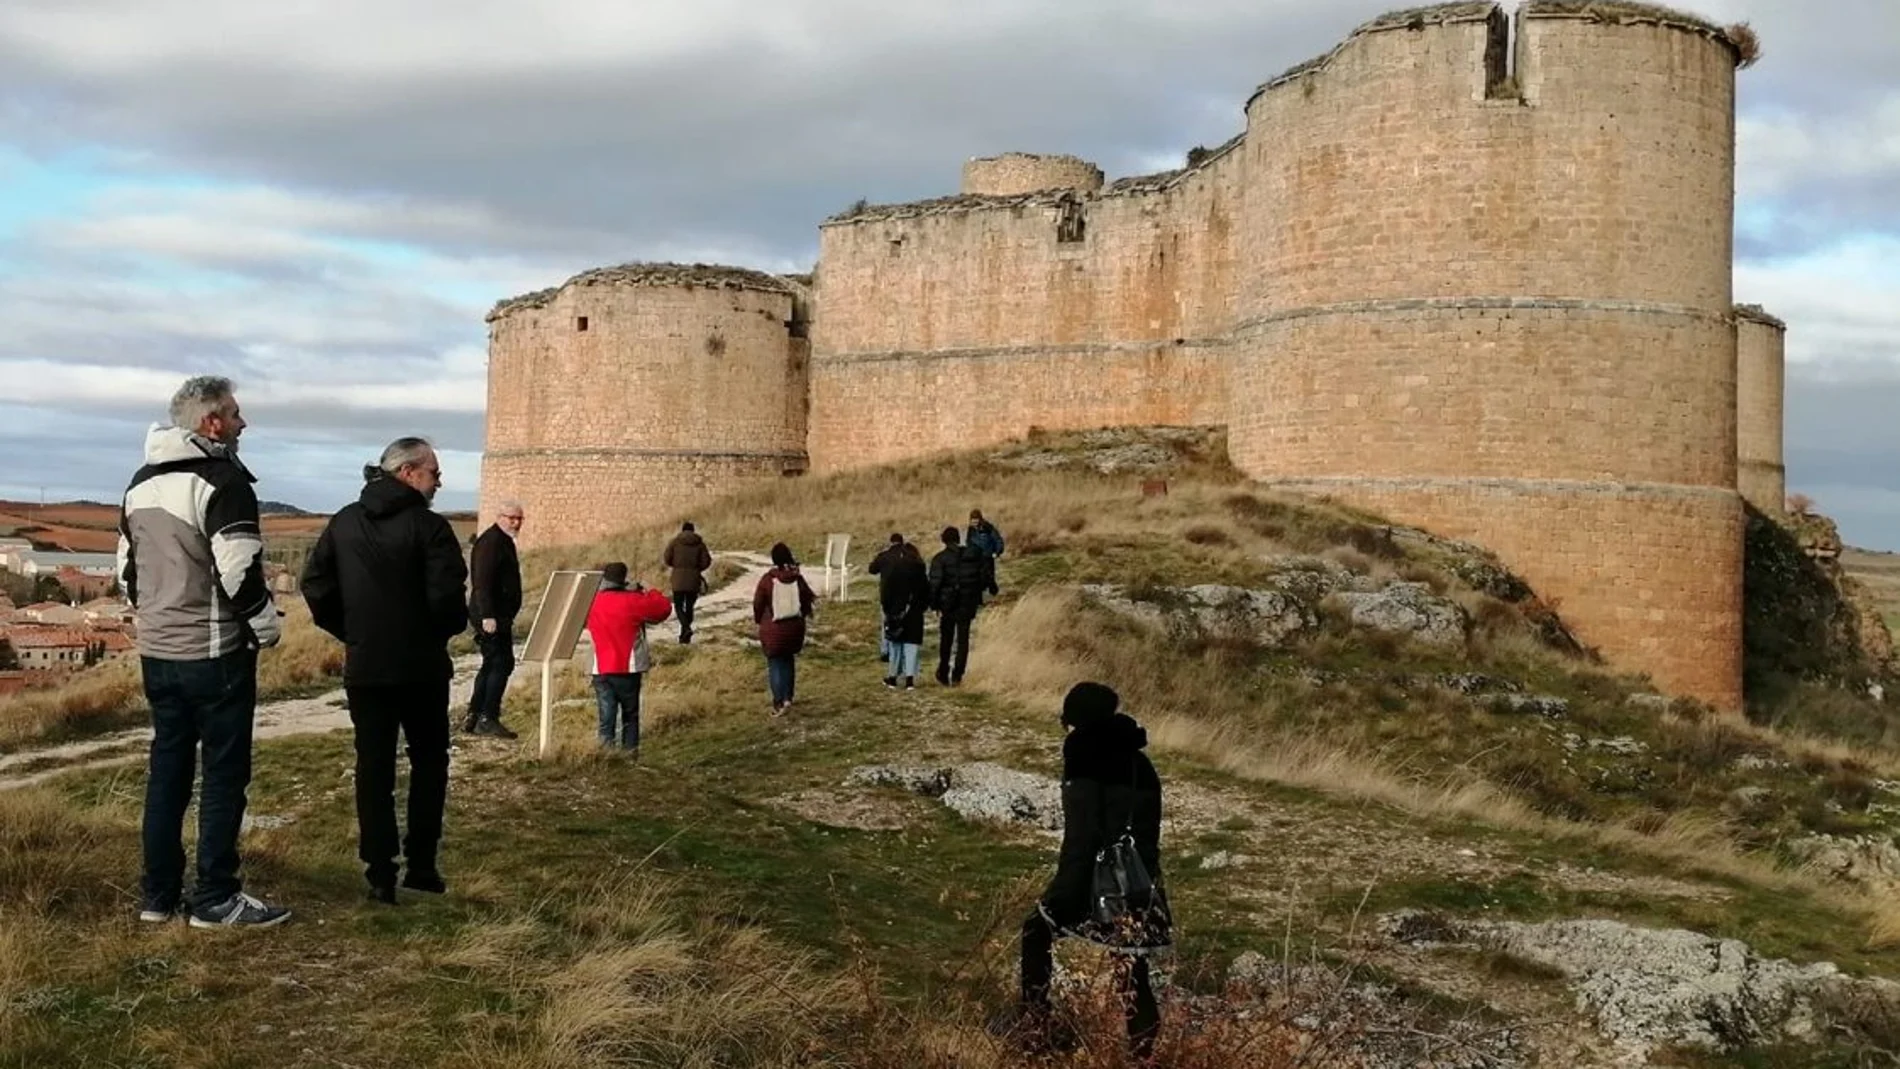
(556, 630)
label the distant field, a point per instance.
(1880, 572)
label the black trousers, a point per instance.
(419, 712)
(491, 679)
(683, 602)
(956, 633)
(1131, 975)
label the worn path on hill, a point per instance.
(326, 712)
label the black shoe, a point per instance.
(469, 722)
(384, 893)
(910, 682)
(890, 682)
(427, 880)
(943, 677)
(494, 728)
(686, 638)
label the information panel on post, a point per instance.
(555, 632)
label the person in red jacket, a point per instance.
(617, 621)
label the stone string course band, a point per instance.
(1469, 269)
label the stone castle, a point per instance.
(1469, 270)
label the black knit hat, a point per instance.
(1089, 703)
(614, 574)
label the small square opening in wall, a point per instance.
(580, 323)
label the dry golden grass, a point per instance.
(625, 982)
(1027, 650)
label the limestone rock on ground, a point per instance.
(1270, 617)
(979, 791)
(1650, 988)
(1408, 609)
(1873, 861)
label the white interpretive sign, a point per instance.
(556, 630)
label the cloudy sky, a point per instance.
(321, 198)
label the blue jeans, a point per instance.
(781, 678)
(904, 657)
(212, 703)
(618, 696)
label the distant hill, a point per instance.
(279, 508)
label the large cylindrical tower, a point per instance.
(1759, 381)
(1493, 299)
(1015, 173)
(636, 393)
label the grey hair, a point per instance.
(403, 452)
(510, 504)
(200, 396)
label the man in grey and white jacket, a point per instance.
(191, 562)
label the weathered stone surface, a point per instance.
(1871, 861)
(1269, 617)
(930, 782)
(1648, 988)
(1545, 705)
(980, 791)
(1408, 609)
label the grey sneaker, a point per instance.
(160, 914)
(239, 911)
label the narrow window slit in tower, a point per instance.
(580, 323)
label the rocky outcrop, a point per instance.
(1870, 861)
(1409, 609)
(1649, 988)
(1269, 617)
(980, 791)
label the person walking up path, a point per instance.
(958, 578)
(781, 604)
(687, 558)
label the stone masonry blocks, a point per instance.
(1496, 303)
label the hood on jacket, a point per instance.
(166, 444)
(385, 495)
(689, 539)
(1103, 749)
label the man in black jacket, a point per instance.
(1108, 787)
(494, 599)
(958, 577)
(386, 577)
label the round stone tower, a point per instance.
(1759, 341)
(1493, 299)
(634, 394)
(1022, 172)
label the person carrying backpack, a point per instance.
(1111, 838)
(780, 605)
(958, 577)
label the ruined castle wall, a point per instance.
(1060, 313)
(1759, 366)
(670, 396)
(1507, 318)
(1022, 172)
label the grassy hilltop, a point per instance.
(738, 900)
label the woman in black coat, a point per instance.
(1109, 788)
(904, 594)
